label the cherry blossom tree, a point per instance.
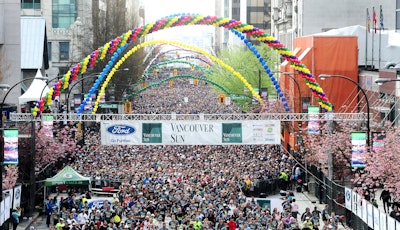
(50, 149)
(335, 139)
(381, 165)
(10, 176)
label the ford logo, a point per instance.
(121, 129)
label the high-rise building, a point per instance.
(252, 12)
(297, 18)
(10, 42)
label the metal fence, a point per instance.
(331, 193)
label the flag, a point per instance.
(381, 18)
(368, 21)
(374, 19)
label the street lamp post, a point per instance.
(5, 86)
(324, 76)
(298, 88)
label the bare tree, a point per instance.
(109, 22)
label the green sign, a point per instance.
(108, 106)
(151, 133)
(231, 132)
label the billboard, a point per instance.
(47, 125)
(190, 132)
(358, 142)
(313, 120)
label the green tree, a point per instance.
(247, 64)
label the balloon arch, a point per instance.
(117, 45)
(176, 43)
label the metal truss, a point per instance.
(60, 117)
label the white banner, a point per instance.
(354, 202)
(190, 132)
(347, 192)
(376, 218)
(10, 192)
(2, 215)
(17, 196)
(370, 215)
(382, 221)
(7, 206)
(364, 211)
(391, 223)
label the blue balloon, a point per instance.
(287, 109)
(113, 58)
(283, 99)
(281, 95)
(268, 71)
(110, 63)
(285, 104)
(273, 79)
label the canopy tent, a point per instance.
(34, 91)
(67, 176)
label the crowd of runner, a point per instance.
(181, 187)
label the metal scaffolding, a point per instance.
(62, 117)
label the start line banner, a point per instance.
(257, 132)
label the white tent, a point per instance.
(35, 90)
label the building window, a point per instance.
(49, 50)
(398, 21)
(64, 51)
(30, 4)
(64, 13)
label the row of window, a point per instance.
(63, 50)
(64, 12)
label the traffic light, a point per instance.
(177, 54)
(155, 72)
(192, 68)
(175, 72)
(79, 128)
(222, 98)
(163, 57)
(128, 107)
(144, 84)
(196, 81)
(171, 83)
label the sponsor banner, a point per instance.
(347, 192)
(190, 132)
(17, 196)
(254, 100)
(358, 141)
(98, 203)
(11, 146)
(354, 202)
(378, 141)
(313, 121)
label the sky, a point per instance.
(156, 9)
